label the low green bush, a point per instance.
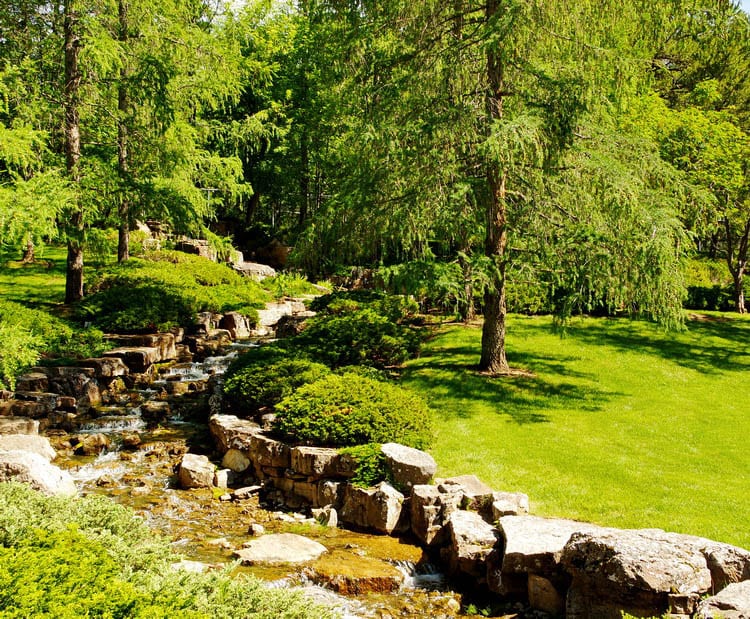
(359, 337)
(88, 557)
(348, 410)
(167, 289)
(28, 336)
(289, 285)
(370, 461)
(396, 308)
(261, 385)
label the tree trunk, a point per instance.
(739, 292)
(74, 271)
(468, 313)
(28, 252)
(737, 253)
(123, 237)
(494, 360)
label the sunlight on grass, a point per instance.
(622, 424)
(39, 284)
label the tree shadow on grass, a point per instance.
(708, 346)
(30, 284)
(454, 388)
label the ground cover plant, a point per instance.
(621, 423)
(74, 557)
(167, 289)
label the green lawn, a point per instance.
(40, 285)
(622, 425)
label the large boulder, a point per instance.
(471, 542)
(641, 572)
(430, 509)
(408, 466)
(727, 564)
(316, 462)
(106, 367)
(28, 442)
(282, 548)
(477, 495)
(31, 468)
(236, 461)
(231, 432)
(139, 359)
(237, 324)
(731, 603)
(18, 425)
(376, 508)
(196, 472)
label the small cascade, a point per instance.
(112, 424)
(424, 576)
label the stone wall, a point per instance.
(487, 538)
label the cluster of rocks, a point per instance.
(26, 457)
(487, 538)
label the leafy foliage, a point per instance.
(370, 464)
(72, 557)
(27, 334)
(166, 289)
(352, 410)
(260, 384)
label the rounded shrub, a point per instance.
(346, 410)
(259, 385)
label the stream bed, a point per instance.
(138, 469)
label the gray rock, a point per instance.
(731, 603)
(223, 478)
(267, 452)
(478, 496)
(316, 462)
(409, 467)
(509, 504)
(237, 325)
(33, 381)
(376, 508)
(255, 270)
(231, 432)
(196, 472)
(18, 425)
(430, 509)
(194, 567)
(282, 548)
(138, 358)
(28, 442)
(246, 492)
(641, 572)
(471, 541)
(235, 460)
(106, 367)
(31, 468)
(728, 564)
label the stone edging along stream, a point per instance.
(483, 537)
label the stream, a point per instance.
(138, 468)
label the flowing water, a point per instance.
(206, 529)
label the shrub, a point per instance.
(348, 410)
(370, 461)
(27, 334)
(261, 384)
(289, 285)
(166, 290)
(360, 337)
(88, 557)
(395, 308)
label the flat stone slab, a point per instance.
(137, 358)
(408, 466)
(31, 468)
(28, 442)
(106, 367)
(281, 548)
(18, 425)
(231, 432)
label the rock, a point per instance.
(727, 564)
(316, 462)
(509, 504)
(237, 325)
(349, 575)
(197, 247)
(731, 603)
(46, 402)
(256, 530)
(223, 477)
(106, 367)
(231, 432)
(31, 468)
(138, 358)
(327, 516)
(246, 492)
(273, 312)
(196, 472)
(430, 509)
(641, 572)
(255, 270)
(408, 466)
(376, 508)
(236, 461)
(544, 596)
(194, 567)
(90, 444)
(282, 548)
(268, 452)
(33, 381)
(131, 440)
(477, 495)
(471, 541)
(18, 425)
(155, 411)
(28, 442)
(289, 326)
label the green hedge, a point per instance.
(167, 289)
(349, 409)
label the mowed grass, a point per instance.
(40, 284)
(622, 424)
